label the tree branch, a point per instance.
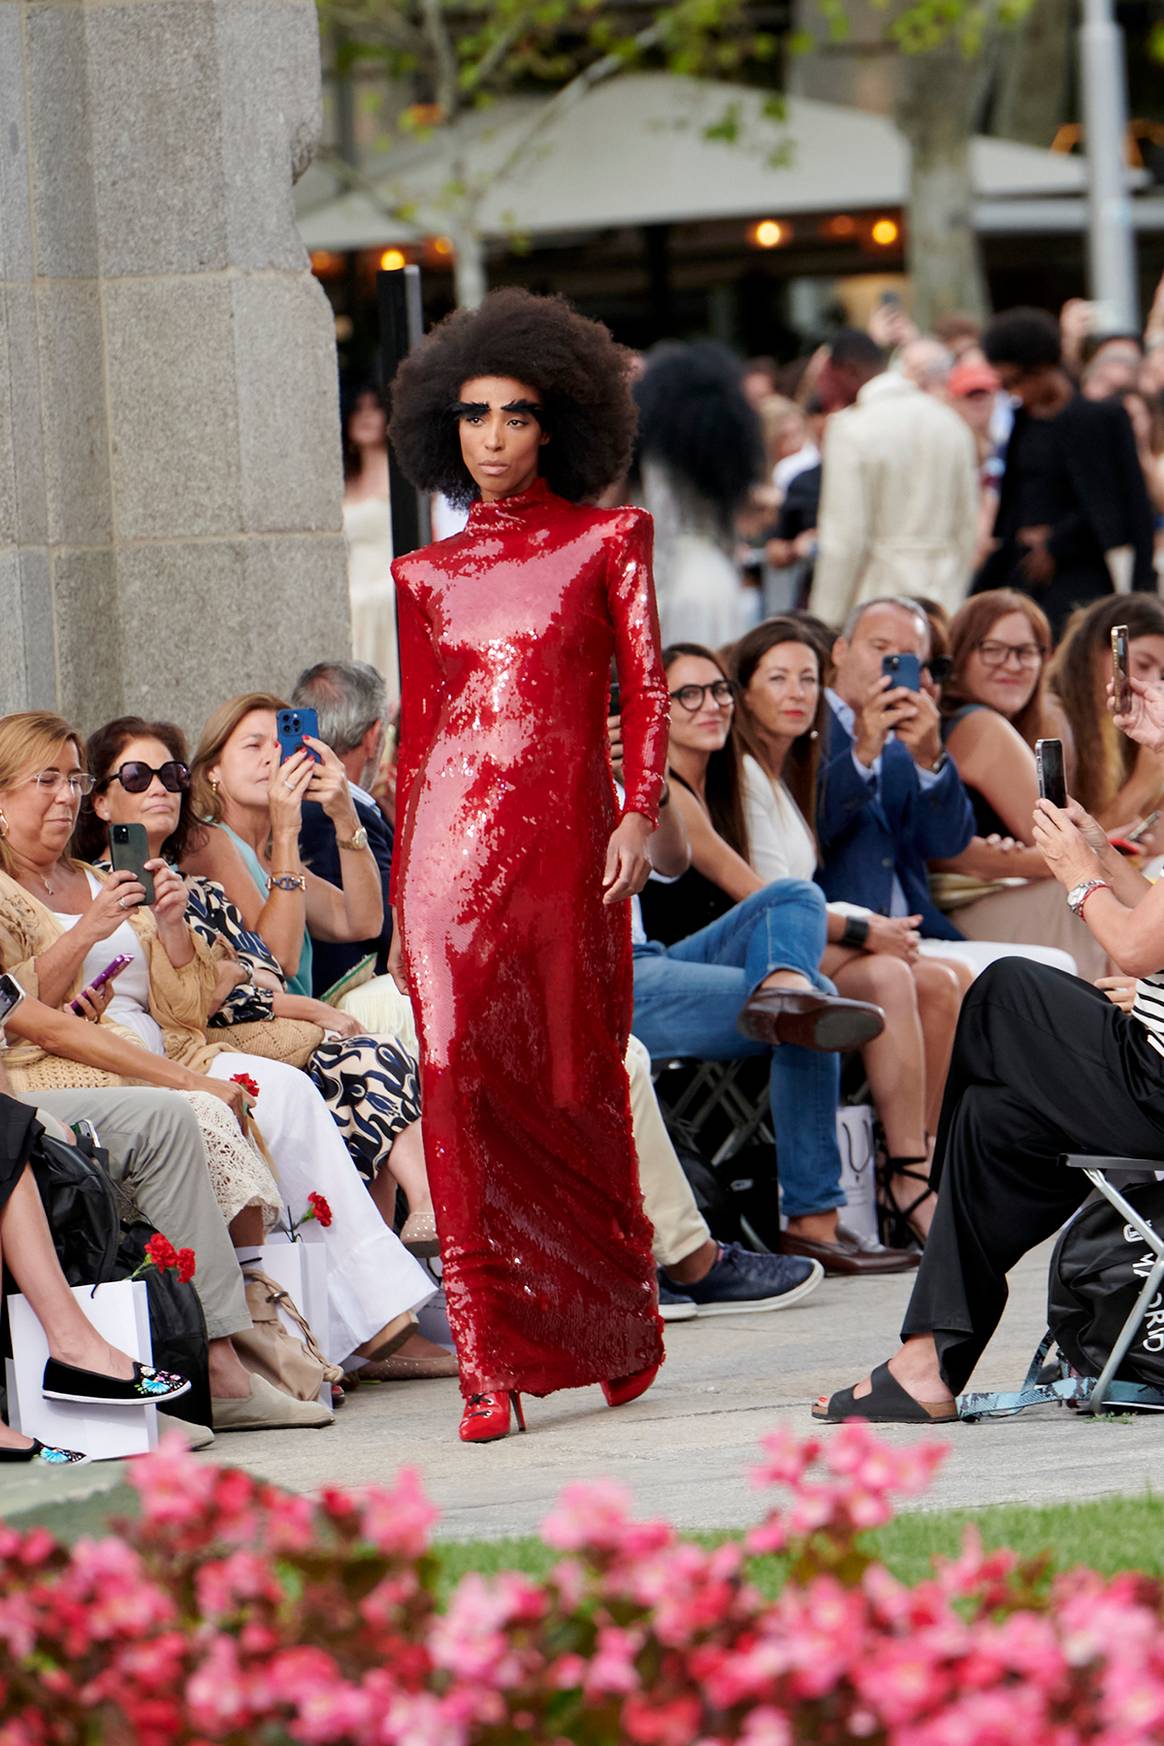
(448, 93)
(388, 26)
(356, 182)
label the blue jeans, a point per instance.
(688, 999)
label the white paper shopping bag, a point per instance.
(301, 1269)
(118, 1310)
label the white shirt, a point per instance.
(130, 1006)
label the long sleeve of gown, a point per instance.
(420, 684)
(646, 708)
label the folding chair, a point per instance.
(1088, 1394)
(724, 1103)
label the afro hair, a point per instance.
(581, 376)
(1027, 338)
(695, 418)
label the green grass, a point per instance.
(1108, 1534)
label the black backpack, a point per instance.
(1097, 1272)
(94, 1246)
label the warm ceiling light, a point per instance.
(392, 260)
(885, 232)
(442, 245)
(769, 234)
(843, 224)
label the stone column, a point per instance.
(170, 477)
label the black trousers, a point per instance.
(1043, 1064)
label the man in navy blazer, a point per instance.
(351, 703)
(890, 799)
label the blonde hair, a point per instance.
(28, 742)
(205, 802)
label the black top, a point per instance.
(986, 820)
(332, 959)
(676, 910)
(19, 1128)
(800, 510)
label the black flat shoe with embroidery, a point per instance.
(46, 1453)
(146, 1387)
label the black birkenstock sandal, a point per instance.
(887, 1403)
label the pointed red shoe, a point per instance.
(486, 1417)
(624, 1388)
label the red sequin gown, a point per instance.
(520, 977)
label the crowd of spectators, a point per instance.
(883, 574)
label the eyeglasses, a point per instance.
(690, 697)
(135, 776)
(998, 654)
(77, 782)
(939, 668)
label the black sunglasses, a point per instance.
(939, 668)
(136, 776)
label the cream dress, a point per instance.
(368, 531)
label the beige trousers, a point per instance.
(679, 1225)
(155, 1149)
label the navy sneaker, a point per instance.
(743, 1282)
(675, 1306)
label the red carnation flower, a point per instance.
(249, 1085)
(187, 1262)
(318, 1209)
(161, 1252)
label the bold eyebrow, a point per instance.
(468, 408)
(463, 408)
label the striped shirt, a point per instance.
(1148, 1007)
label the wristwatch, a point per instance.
(358, 840)
(1079, 894)
(286, 882)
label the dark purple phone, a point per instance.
(112, 969)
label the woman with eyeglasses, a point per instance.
(62, 923)
(729, 966)
(995, 706)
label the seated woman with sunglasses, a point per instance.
(61, 923)
(730, 967)
(994, 707)
(368, 1083)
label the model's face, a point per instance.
(1004, 669)
(782, 693)
(883, 630)
(500, 434)
(245, 763)
(700, 719)
(156, 808)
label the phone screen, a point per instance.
(1119, 668)
(129, 850)
(1052, 775)
(290, 726)
(11, 995)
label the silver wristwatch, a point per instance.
(1079, 894)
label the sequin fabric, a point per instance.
(520, 977)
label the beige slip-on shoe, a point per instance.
(194, 1436)
(269, 1409)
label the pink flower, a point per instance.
(397, 1522)
(591, 1514)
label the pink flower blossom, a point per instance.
(397, 1522)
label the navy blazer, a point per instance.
(332, 959)
(868, 831)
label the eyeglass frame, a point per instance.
(74, 780)
(170, 764)
(704, 690)
(1040, 652)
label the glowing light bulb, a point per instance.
(885, 232)
(392, 260)
(769, 234)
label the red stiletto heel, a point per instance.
(624, 1388)
(486, 1416)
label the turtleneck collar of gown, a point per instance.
(515, 507)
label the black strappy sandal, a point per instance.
(887, 1403)
(895, 1222)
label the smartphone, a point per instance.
(11, 995)
(291, 725)
(129, 850)
(120, 963)
(903, 670)
(1138, 832)
(1052, 776)
(614, 707)
(891, 299)
(1119, 668)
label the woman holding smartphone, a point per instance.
(1043, 1065)
(60, 922)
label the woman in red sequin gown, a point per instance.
(512, 869)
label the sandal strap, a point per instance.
(887, 1403)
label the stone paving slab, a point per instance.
(685, 1449)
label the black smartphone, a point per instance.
(129, 850)
(614, 707)
(290, 726)
(1052, 775)
(903, 670)
(1119, 668)
(11, 995)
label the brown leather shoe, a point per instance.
(814, 1021)
(851, 1254)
